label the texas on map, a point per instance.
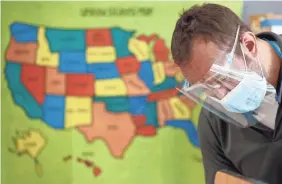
(107, 83)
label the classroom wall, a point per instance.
(260, 7)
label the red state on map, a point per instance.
(160, 95)
(80, 84)
(97, 171)
(88, 163)
(161, 52)
(148, 130)
(147, 39)
(33, 78)
(98, 37)
(128, 64)
(139, 120)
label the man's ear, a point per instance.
(248, 39)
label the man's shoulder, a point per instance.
(211, 125)
(207, 118)
(213, 129)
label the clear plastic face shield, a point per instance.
(234, 88)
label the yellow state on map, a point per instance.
(20, 146)
(78, 111)
(110, 87)
(44, 57)
(159, 72)
(179, 110)
(139, 48)
(100, 54)
(179, 76)
(31, 143)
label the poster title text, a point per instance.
(114, 11)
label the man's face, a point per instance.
(197, 69)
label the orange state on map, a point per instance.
(170, 69)
(116, 129)
(55, 82)
(24, 53)
(164, 112)
(189, 103)
(135, 86)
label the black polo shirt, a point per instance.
(252, 152)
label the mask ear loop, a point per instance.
(257, 62)
(244, 58)
(231, 54)
(262, 73)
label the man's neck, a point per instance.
(270, 60)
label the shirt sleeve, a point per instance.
(212, 154)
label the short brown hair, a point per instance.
(212, 22)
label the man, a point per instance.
(212, 33)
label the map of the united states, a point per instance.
(108, 83)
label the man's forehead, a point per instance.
(203, 54)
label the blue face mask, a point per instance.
(248, 94)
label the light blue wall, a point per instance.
(260, 7)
